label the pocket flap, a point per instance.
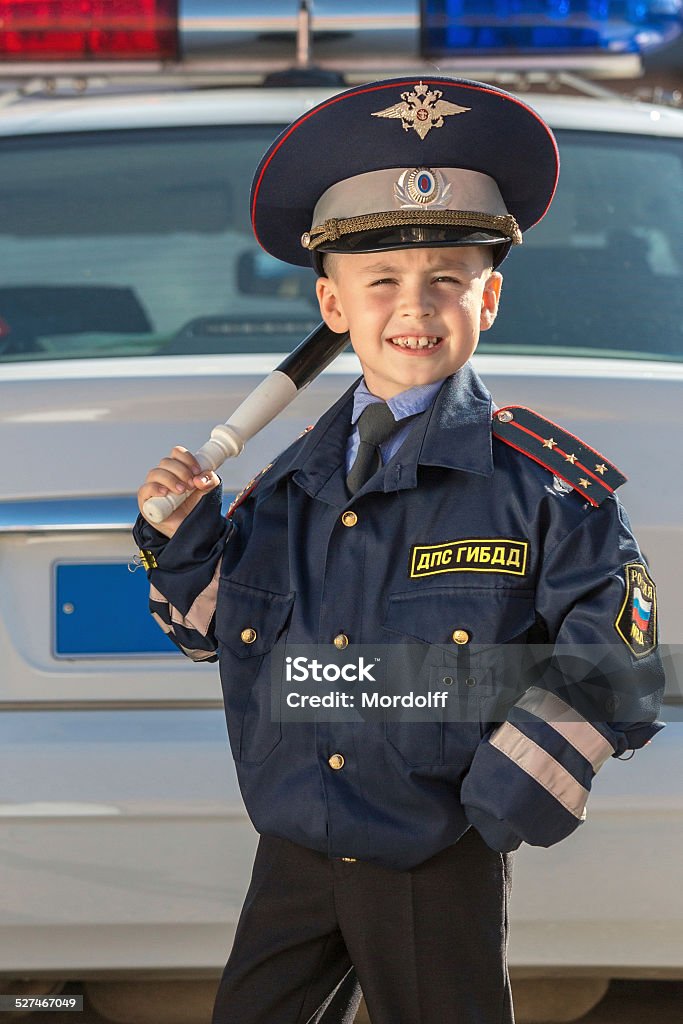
(249, 621)
(489, 616)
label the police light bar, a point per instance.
(88, 30)
(451, 28)
(255, 41)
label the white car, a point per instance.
(136, 311)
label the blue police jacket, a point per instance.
(479, 575)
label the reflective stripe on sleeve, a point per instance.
(200, 613)
(564, 719)
(190, 632)
(548, 772)
(196, 655)
(160, 622)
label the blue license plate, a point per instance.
(101, 610)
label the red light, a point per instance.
(63, 30)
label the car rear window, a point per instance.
(138, 243)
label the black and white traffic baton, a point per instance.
(269, 398)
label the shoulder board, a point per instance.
(246, 491)
(565, 455)
(254, 482)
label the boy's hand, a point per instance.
(177, 474)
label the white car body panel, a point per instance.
(124, 846)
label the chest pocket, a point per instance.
(466, 643)
(251, 626)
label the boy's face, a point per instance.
(414, 315)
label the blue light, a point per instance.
(535, 26)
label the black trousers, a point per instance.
(428, 945)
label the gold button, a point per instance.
(461, 636)
(336, 762)
(349, 519)
(341, 641)
(248, 635)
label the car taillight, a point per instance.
(82, 30)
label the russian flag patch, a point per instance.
(636, 623)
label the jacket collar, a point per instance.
(454, 433)
(458, 433)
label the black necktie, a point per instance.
(375, 424)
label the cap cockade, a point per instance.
(403, 163)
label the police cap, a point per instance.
(401, 163)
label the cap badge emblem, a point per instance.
(422, 109)
(421, 186)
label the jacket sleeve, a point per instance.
(595, 690)
(184, 573)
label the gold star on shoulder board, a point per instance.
(583, 482)
(549, 442)
(601, 468)
(570, 458)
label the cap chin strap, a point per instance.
(335, 228)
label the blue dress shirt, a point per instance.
(407, 403)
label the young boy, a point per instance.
(415, 516)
